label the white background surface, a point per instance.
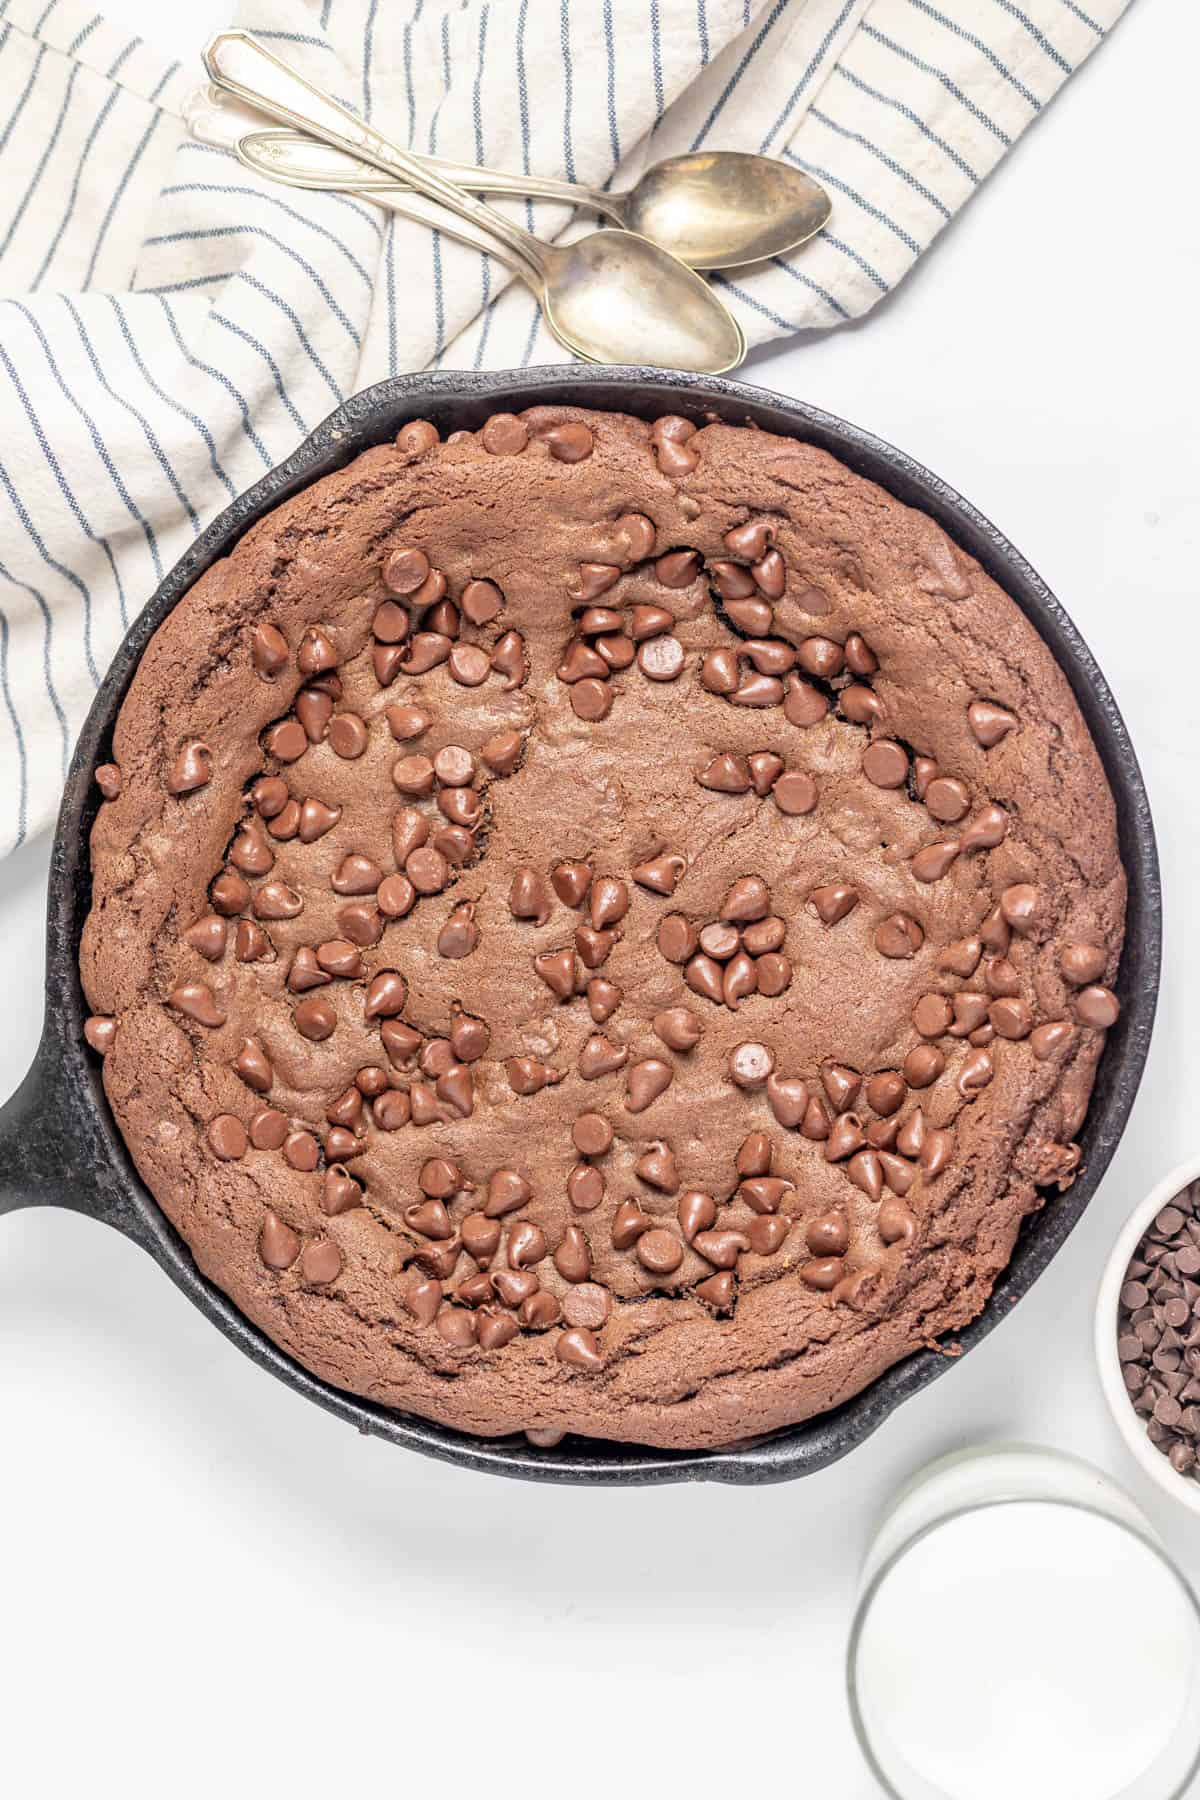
(208, 1585)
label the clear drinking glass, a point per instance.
(1021, 1631)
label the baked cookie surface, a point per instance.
(601, 927)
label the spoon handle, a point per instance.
(300, 154)
(237, 62)
(212, 118)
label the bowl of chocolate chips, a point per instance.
(1148, 1333)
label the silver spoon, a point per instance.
(610, 297)
(713, 209)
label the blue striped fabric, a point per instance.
(171, 325)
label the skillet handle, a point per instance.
(48, 1150)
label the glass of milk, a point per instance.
(1021, 1634)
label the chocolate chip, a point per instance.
(315, 1019)
(426, 650)
(719, 671)
(301, 1151)
(670, 437)
(504, 435)
(763, 1193)
(895, 1222)
(568, 443)
(407, 722)
(587, 1305)
(886, 1092)
(739, 979)
(833, 903)
(1011, 1017)
(195, 1000)
(1097, 1007)
(268, 650)
(823, 1273)
(659, 1251)
(387, 660)
(469, 665)
(678, 1027)
(286, 741)
(717, 1291)
(750, 1065)
(795, 793)
(608, 901)
(1046, 1039)
(922, 1065)
(100, 1032)
(390, 624)
(803, 704)
(765, 770)
(278, 1244)
(316, 819)
(208, 936)
(645, 1081)
(191, 769)
(678, 568)
(787, 1097)
(661, 659)
(459, 936)
(757, 690)
(866, 1172)
(1081, 964)
(1020, 905)
(841, 1084)
(347, 735)
(660, 873)
(706, 977)
(637, 535)
(502, 752)
(861, 705)
(585, 1187)
(947, 799)
(677, 938)
(721, 1248)
(934, 861)
(592, 1134)
(986, 830)
(109, 780)
(727, 774)
(580, 662)
(592, 946)
(720, 940)
(578, 1349)
(594, 579)
(989, 722)
(898, 936)
(600, 1057)
(770, 575)
(591, 700)
(885, 763)
(747, 900)
(494, 1330)
(821, 656)
(828, 1235)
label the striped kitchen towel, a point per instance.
(171, 325)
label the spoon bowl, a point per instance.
(716, 209)
(609, 294)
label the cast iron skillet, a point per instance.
(59, 1145)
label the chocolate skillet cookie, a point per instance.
(601, 927)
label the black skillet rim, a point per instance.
(80, 1159)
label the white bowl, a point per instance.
(1130, 1424)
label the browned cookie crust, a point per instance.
(601, 928)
